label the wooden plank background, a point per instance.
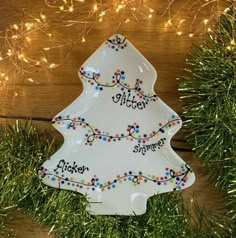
(53, 90)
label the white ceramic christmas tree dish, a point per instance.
(117, 136)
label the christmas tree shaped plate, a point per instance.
(117, 135)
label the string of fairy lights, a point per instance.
(23, 53)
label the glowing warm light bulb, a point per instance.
(83, 39)
(29, 25)
(95, 7)
(179, 33)
(15, 27)
(151, 10)
(9, 52)
(30, 79)
(232, 42)
(209, 29)
(150, 16)
(127, 20)
(14, 37)
(52, 65)
(191, 35)
(206, 21)
(226, 9)
(61, 8)
(1, 58)
(168, 23)
(71, 9)
(42, 16)
(6, 78)
(44, 60)
(46, 48)
(28, 39)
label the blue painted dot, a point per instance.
(97, 88)
(62, 182)
(179, 187)
(167, 173)
(98, 184)
(113, 185)
(123, 77)
(173, 116)
(68, 126)
(53, 178)
(59, 117)
(73, 184)
(129, 178)
(137, 131)
(93, 189)
(130, 172)
(104, 138)
(177, 178)
(159, 183)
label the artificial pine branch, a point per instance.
(209, 95)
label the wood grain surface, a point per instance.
(55, 89)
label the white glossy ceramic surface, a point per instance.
(117, 135)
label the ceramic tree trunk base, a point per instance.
(117, 136)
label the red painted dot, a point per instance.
(167, 169)
(138, 183)
(109, 182)
(118, 176)
(160, 124)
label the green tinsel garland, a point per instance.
(209, 95)
(22, 151)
